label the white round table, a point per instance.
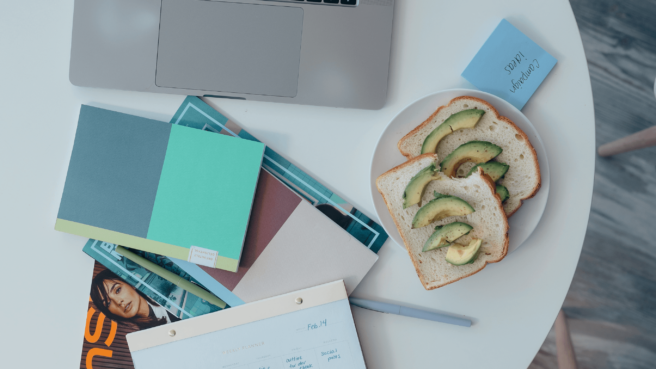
(513, 304)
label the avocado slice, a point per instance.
(476, 151)
(443, 206)
(415, 189)
(461, 255)
(438, 195)
(444, 235)
(494, 169)
(460, 120)
(503, 193)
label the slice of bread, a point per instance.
(522, 179)
(489, 220)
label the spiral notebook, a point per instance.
(306, 329)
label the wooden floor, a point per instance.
(611, 305)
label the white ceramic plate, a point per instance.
(387, 156)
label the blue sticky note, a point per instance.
(509, 65)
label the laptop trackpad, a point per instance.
(229, 47)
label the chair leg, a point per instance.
(639, 140)
(564, 348)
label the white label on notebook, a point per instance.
(202, 256)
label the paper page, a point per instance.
(321, 337)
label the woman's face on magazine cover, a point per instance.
(124, 301)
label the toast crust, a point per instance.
(534, 155)
(492, 187)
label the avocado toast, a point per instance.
(522, 179)
(488, 220)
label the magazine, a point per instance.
(127, 308)
(181, 303)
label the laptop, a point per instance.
(318, 52)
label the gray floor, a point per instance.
(611, 304)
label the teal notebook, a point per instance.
(159, 187)
(195, 113)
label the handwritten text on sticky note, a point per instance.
(509, 65)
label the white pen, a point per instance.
(383, 307)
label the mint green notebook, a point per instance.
(161, 188)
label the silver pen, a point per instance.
(383, 307)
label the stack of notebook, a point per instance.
(195, 222)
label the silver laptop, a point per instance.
(318, 52)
